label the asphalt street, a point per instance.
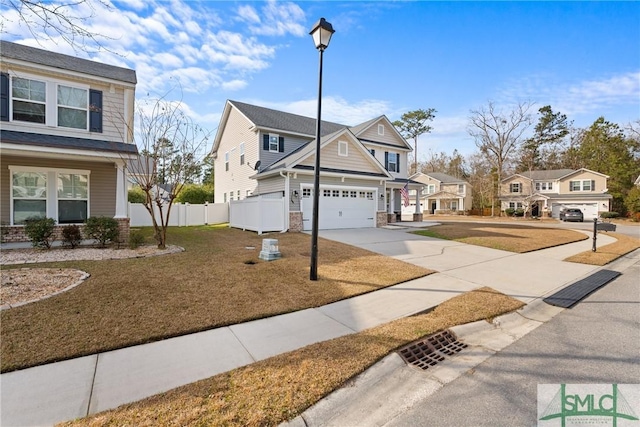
(595, 342)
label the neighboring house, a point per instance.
(548, 192)
(65, 139)
(263, 152)
(442, 193)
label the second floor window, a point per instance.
(72, 107)
(226, 161)
(460, 188)
(273, 143)
(242, 153)
(393, 162)
(514, 187)
(584, 185)
(29, 100)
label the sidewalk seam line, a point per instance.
(353, 331)
(242, 344)
(93, 383)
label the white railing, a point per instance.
(258, 213)
(182, 215)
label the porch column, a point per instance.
(121, 193)
(418, 210)
(392, 201)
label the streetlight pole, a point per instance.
(321, 33)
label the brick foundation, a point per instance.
(417, 217)
(16, 234)
(295, 222)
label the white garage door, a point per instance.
(589, 210)
(340, 208)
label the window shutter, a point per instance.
(265, 142)
(95, 111)
(570, 185)
(386, 160)
(397, 162)
(593, 185)
(4, 98)
(281, 144)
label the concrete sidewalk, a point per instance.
(75, 388)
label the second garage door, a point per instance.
(340, 208)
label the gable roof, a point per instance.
(358, 130)
(294, 159)
(65, 62)
(552, 174)
(442, 177)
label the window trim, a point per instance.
(380, 129)
(51, 200)
(277, 142)
(514, 185)
(241, 153)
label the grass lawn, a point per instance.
(606, 254)
(277, 389)
(506, 237)
(217, 281)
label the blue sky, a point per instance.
(582, 58)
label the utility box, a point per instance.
(270, 250)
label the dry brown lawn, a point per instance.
(605, 254)
(507, 237)
(277, 389)
(217, 281)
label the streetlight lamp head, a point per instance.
(321, 33)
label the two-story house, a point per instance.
(65, 139)
(442, 193)
(547, 192)
(262, 152)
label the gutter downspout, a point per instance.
(287, 197)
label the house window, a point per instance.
(393, 162)
(380, 129)
(73, 198)
(72, 107)
(514, 187)
(460, 188)
(353, 194)
(345, 193)
(514, 205)
(231, 196)
(29, 193)
(588, 185)
(273, 143)
(242, 153)
(226, 161)
(306, 192)
(343, 148)
(370, 195)
(431, 188)
(575, 185)
(67, 201)
(326, 193)
(29, 100)
(335, 193)
(544, 186)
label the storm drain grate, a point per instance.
(433, 349)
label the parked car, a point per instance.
(571, 214)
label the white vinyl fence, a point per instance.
(258, 213)
(182, 215)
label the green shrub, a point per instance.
(136, 238)
(102, 229)
(519, 212)
(609, 214)
(632, 200)
(40, 231)
(509, 211)
(195, 194)
(136, 195)
(71, 236)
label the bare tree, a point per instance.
(482, 180)
(46, 20)
(498, 135)
(161, 173)
(413, 124)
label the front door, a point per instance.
(433, 208)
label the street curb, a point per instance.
(400, 386)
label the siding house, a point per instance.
(65, 139)
(443, 193)
(548, 192)
(260, 152)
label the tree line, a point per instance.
(516, 140)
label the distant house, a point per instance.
(548, 192)
(66, 138)
(262, 152)
(442, 193)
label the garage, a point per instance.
(340, 207)
(589, 210)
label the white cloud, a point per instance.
(234, 85)
(279, 19)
